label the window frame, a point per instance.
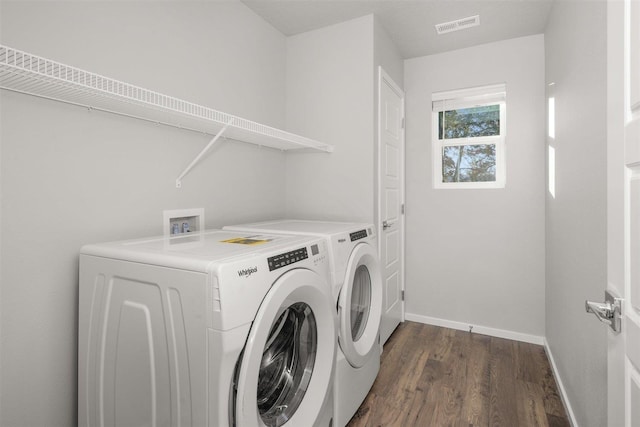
(469, 98)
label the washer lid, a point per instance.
(360, 305)
(197, 251)
(287, 366)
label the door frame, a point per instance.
(384, 78)
(615, 201)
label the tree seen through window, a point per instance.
(469, 162)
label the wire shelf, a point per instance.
(34, 75)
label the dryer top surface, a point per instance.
(295, 226)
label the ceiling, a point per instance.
(411, 23)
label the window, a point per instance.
(468, 138)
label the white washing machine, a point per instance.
(213, 329)
(357, 292)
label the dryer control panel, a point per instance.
(287, 258)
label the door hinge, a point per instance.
(402, 209)
(403, 123)
(402, 294)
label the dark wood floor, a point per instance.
(432, 376)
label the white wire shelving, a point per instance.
(33, 75)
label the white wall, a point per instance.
(477, 256)
(330, 98)
(387, 55)
(575, 44)
(70, 177)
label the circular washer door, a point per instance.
(288, 361)
(360, 305)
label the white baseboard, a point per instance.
(563, 392)
(499, 333)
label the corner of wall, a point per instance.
(563, 391)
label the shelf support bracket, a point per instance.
(202, 153)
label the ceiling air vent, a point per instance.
(458, 24)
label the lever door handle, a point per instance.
(603, 311)
(608, 312)
(386, 224)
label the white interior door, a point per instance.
(624, 209)
(391, 200)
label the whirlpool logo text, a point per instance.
(247, 271)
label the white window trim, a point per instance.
(475, 97)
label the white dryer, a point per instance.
(357, 292)
(214, 329)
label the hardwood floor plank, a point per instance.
(530, 406)
(410, 378)
(387, 412)
(475, 410)
(442, 344)
(552, 402)
(391, 357)
(556, 421)
(432, 372)
(455, 359)
(447, 407)
(434, 377)
(396, 340)
(420, 413)
(530, 363)
(502, 398)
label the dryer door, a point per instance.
(360, 305)
(286, 371)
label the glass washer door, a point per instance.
(287, 366)
(360, 305)
(360, 302)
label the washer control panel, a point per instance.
(287, 258)
(357, 235)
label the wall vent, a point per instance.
(458, 24)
